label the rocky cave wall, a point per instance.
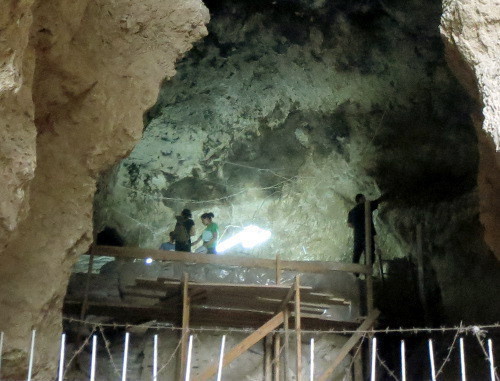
(286, 110)
(75, 79)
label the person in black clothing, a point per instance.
(184, 230)
(356, 221)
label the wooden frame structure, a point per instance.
(282, 303)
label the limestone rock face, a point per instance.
(17, 131)
(90, 68)
(471, 31)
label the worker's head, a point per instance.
(360, 198)
(186, 213)
(206, 218)
(172, 237)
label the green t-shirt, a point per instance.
(209, 233)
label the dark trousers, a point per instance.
(359, 248)
(183, 246)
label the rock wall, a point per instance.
(471, 33)
(78, 76)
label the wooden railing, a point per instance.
(276, 264)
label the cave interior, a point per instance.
(281, 115)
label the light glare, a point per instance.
(249, 237)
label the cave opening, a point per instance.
(284, 112)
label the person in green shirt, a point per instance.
(209, 235)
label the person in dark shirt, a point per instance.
(183, 237)
(356, 221)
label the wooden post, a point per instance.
(243, 346)
(268, 349)
(277, 355)
(344, 351)
(185, 326)
(421, 273)
(368, 256)
(286, 361)
(85, 303)
(278, 269)
(358, 365)
(298, 332)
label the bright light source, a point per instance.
(249, 237)
(149, 261)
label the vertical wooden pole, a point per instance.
(368, 256)
(298, 331)
(358, 364)
(286, 361)
(277, 355)
(268, 349)
(278, 269)
(85, 302)
(421, 273)
(185, 326)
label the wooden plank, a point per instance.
(346, 348)
(178, 256)
(368, 256)
(87, 282)
(185, 327)
(278, 269)
(243, 346)
(199, 317)
(421, 274)
(268, 351)
(287, 298)
(286, 357)
(298, 332)
(277, 355)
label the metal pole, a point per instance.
(92, 363)
(61, 357)
(374, 358)
(32, 354)
(462, 360)
(155, 358)
(221, 357)
(403, 361)
(188, 364)
(431, 357)
(125, 358)
(492, 365)
(311, 376)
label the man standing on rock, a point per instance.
(356, 221)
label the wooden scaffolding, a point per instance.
(262, 307)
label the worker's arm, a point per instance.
(192, 231)
(197, 241)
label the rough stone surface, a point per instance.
(471, 31)
(285, 112)
(97, 67)
(17, 130)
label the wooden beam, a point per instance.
(287, 298)
(277, 356)
(178, 256)
(368, 256)
(344, 351)
(278, 269)
(298, 332)
(185, 326)
(85, 303)
(286, 358)
(243, 346)
(268, 352)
